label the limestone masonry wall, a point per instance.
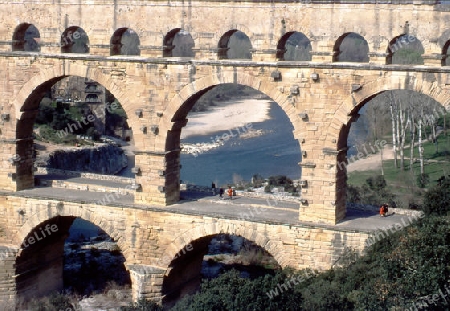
(152, 238)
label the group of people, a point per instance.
(230, 191)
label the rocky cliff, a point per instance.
(101, 159)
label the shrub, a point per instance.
(54, 302)
(437, 199)
(423, 180)
(142, 305)
(376, 183)
(353, 194)
(373, 192)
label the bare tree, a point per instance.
(394, 127)
(412, 130)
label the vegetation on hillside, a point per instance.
(60, 123)
(407, 269)
(223, 93)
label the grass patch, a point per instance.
(403, 184)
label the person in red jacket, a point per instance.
(384, 210)
(230, 192)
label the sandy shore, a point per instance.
(227, 116)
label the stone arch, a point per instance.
(185, 266)
(178, 43)
(125, 41)
(57, 209)
(41, 252)
(294, 46)
(351, 47)
(426, 84)
(174, 117)
(37, 83)
(179, 106)
(74, 40)
(27, 102)
(348, 112)
(234, 36)
(406, 42)
(208, 230)
(26, 38)
(446, 54)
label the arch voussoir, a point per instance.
(250, 233)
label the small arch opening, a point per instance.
(125, 41)
(234, 44)
(446, 54)
(26, 38)
(294, 46)
(74, 40)
(178, 43)
(405, 49)
(351, 47)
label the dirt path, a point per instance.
(371, 162)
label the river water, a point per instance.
(274, 153)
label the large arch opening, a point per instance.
(405, 49)
(26, 38)
(71, 255)
(210, 256)
(70, 126)
(178, 43)
(294, 46)
(233, 138)
(396, 146)
(125, 41)
(351, 47)
(74, 40)
(235, 44)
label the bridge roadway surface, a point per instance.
(206, 204)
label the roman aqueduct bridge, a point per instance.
(42, 42)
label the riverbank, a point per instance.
(232, 116)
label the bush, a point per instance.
(142, 305)
(437, 199)
(231, 292)
(423, 180)
(280, 180)
(376, 183)
(373, 192)
(54, 302)
(353, 194)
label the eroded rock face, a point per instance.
(104, 159)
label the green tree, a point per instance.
(437, 199)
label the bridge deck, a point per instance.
(251, 209)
